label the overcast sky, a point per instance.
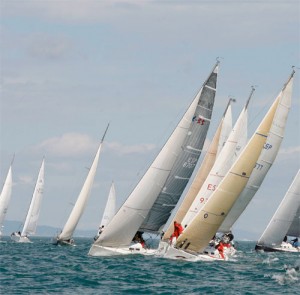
(70, 67)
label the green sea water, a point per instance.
(43, 268)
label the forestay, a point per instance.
(266, 158)
(186, 160)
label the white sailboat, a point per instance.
(285, 222)
(109, 211)
(266, 159)
(31, 220)
(66, 235)
(5, 197)
(195, 238)
(218, 141)
(149, 205)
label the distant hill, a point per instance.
(42, 230)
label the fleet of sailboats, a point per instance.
(30, 224)
(149, 205)
(284, 223)
(231, 172)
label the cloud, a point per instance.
(73, 144)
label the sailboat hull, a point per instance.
(19, 239)
(97, 250)
(284, 247)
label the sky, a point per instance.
(68, 68)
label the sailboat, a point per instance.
(109, 211)
(66, 235)
(285, 222)
(217, 143)
(266, 159)
(149, 205)
(33, 213)
(5, 196)
(203, 227)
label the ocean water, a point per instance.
(43, 268)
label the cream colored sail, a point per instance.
(82, 199)
(5, 197)
(206, 223)
(218, 141)
(222, 165)
(266, 159)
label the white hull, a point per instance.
(97, 250)
(19, 239)
(284, 247)
(166, 250)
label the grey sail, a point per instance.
(187, 159)
(294, 229)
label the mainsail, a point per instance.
(286, 220)
(5, 197)
(134, 211)
(186, 160)
(217, 142)
(266, 158)
(233, 146)
(82, 199)
(31, 220)
(206, 223)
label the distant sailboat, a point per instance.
(285, 222)
(217, 143)
(266, 159)
(5, 197)
(109, 211)
(66, 236)
(195, 238)
(31, 220)
(150, 204)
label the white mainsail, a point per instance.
(186, 161)
(218, 141)
(82, 199)
(285, 216)
(266, 158)
(206, 223)
(233, 146)
(110, 207)
(31, 220)
(129, 218)
(5, 197)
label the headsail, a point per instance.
(285, 217)
(132, 214)
(5, 196)
(110, 207)
(266, 158)
(206, 223)
(82, 199)
(218, 141)
(186, 160)
(31, 220)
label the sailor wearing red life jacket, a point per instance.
(178, 229)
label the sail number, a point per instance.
(211, 187)
(199, 120)
(190, 163)
(258, 166)
(267, 146)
